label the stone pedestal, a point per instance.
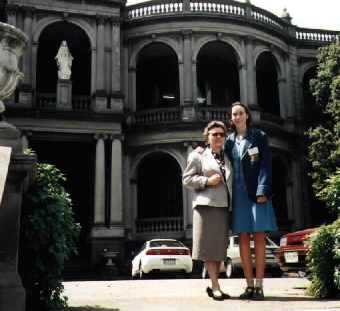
(188, 113)
(100, 103)
(12, 293)
(64, 95)
(25, 98)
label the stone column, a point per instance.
(132, 89)
(24, 141)
(100, 103)
(188, 111)
(251, 75)
(25, 93)
(116, 96)
(99, 187)
(12, 14)
(243, 84)
(187, 198)
(116, 207)
(297, 194)
(281, 84)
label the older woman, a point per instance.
(208, 173)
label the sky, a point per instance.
(324, 14)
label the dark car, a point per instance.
(293, 249)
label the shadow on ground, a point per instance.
(86, 308)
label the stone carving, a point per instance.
(64, 61)
(12, 45)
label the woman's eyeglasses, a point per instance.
(217, 134)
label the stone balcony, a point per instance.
(227, 9)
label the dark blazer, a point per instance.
(257, 169)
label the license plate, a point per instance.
(291, 257)
(169, 261)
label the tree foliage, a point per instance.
(48, 238)
(324, 148)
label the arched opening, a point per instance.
(80, 48)
(217, 74)
(267, 83)
(157, 78)
(312, 112)
(79, 183)
(280, 184)
(159, 194)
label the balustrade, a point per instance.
(152, 116)
(46, 100)
(150, 225)
(81, 103)
(317, 35)
(154, 8)
(220, 7)
(213, 113)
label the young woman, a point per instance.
(253, 214)
(208, 173)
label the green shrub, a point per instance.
(323, 261)
(48, 238)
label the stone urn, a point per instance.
(12, 45)
(12, 293)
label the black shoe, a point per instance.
(217, 294)
(258, 294)
(248, 293)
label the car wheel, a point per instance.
(228, 268)
(140, 271)
(204, 272)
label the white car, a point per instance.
(161, 255)
(232, 264)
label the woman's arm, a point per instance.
(192, 176)
(264, 186)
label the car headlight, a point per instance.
(283, 241)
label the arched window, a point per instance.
(217, 74)
(159, 185)
(267, 83)
(80, 48)
(157, 77)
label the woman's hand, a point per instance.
(214, 180)
(261, 199)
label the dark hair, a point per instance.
(246, 109)
(211, 125)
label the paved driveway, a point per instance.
(282, 294)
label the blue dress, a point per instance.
(247, 215)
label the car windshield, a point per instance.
(166, 244)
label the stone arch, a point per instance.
(202, 41)
(268, 81)
(46, 21)
(157, 77)
(136, 49)
(79, 44)
(304, 68)
(176, 155)
(159, 188)
(278, 59)
(218, 73)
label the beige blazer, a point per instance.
(199, 167)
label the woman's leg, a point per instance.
(246, 259)
(260, 254)
(213, 268)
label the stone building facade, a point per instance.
(145, 80)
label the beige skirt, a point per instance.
(210, 233)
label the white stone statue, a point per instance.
(64, 61)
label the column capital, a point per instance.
(12, 8)
(29, 10)
(132, 69)
(187, 33)
(99, 136)
(115, 20)
(119, 137)
(249, 39)
(101, 19)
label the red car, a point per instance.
(291, 254)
